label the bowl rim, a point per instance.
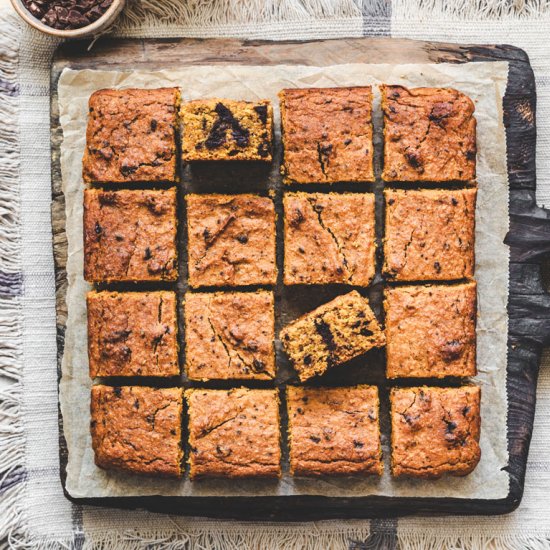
(96, 26)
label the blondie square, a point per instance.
(230, 335)
(131, 136)
(429, 135)
(435, 431)
(431, 331)
(231, 240)
(233, 433)
(130, 235)
(334, 431)
(137, 429)
(327, 135)
(430, 234)
(132, 334)
(329, 238)
(222, 129)
(332, 334)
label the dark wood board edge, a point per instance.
(529, 240)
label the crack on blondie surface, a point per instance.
(207, 431)
(326, 228)
(220, 339)
(320, 159)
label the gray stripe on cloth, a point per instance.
(8, 88)
(11, 284)
(383, 536)
(376, 17)
(9, 480)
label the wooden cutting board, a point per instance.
(529, 240)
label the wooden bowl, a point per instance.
(92, 29)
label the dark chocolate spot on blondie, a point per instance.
(413, 158)
(451, 426)
(307, 360)
(440, 111)
(366, 332)
(127, 169)
(117, 391)
(465, 410)
(323, 329)
(471, 154)
(243, 239)
(391, 201)
(107, 199)
(226, 121)
(451, 350)
(358, 444)
(154, 124)
(147, 254)
(315, 439)
(296, 218)
(437, 267)
(261, 110)
(136, 404)
(263, 149)
(98, 229)
(258, 365)
(454, 201)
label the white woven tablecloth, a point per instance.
(33, 510)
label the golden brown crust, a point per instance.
(231, 240)
(430, 234)
(233, 433)
(327, 134)
(223, 129)
(435, 431)
(334, 431)
(329, 238)
(429, 135)
(130, 235)
(431, 331)
(132, 334)
(333, 333)
(137, 429)
(131, 136)
(230, 335)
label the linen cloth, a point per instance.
(33, 510)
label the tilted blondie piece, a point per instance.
(131, 136)
(327, 135)
(231, 240)
(230, 335)
(130, 235)
(137, 429)
(329, 238)
(429, 135)
(435, 431)
(132, 334)
(233, 433)
(332, 334)
(223, 129)
(431, 331)
(430, 234)
(334, 431)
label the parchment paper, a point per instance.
(485, 83)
